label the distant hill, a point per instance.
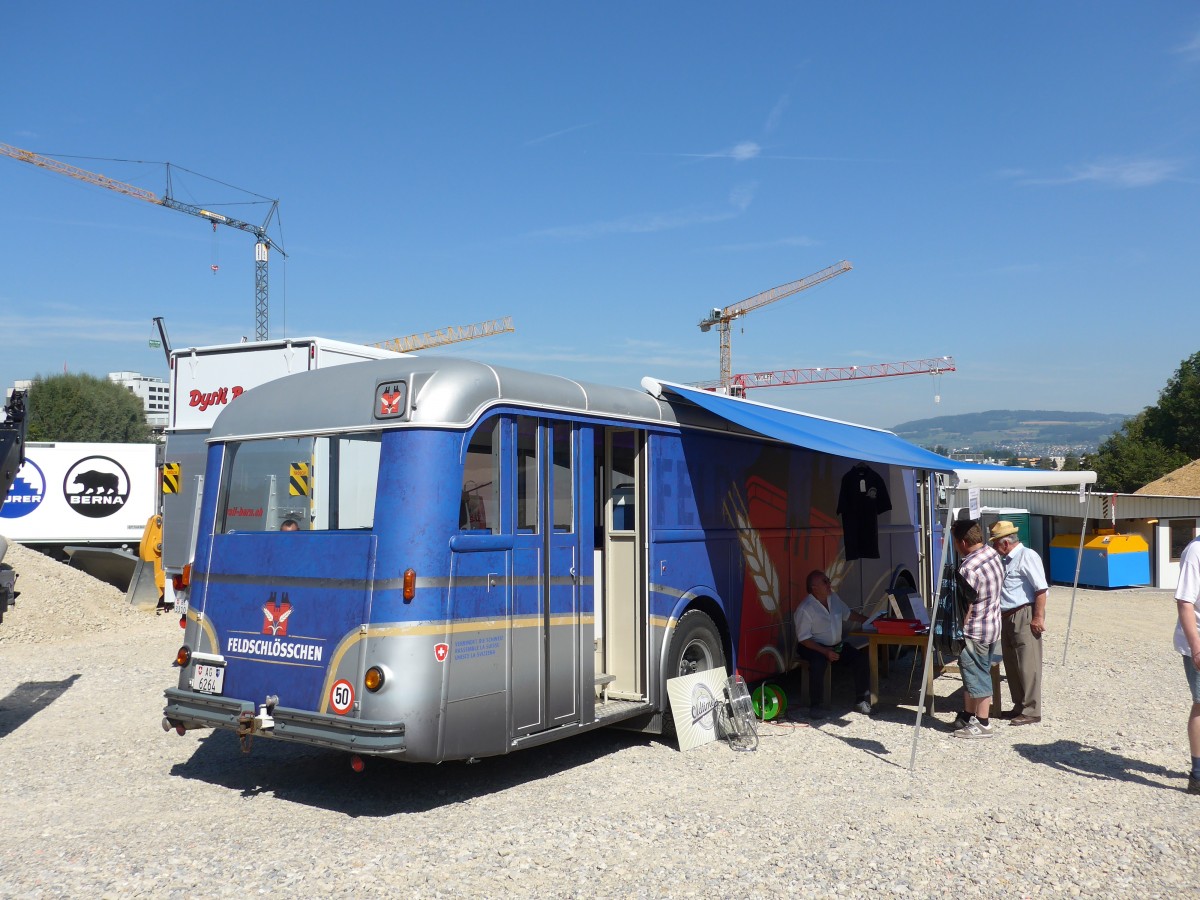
(1021, 431)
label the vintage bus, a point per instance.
(489, 559)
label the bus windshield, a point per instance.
(300, 484)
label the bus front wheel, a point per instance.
(695, 646)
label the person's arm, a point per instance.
(1038, 625)
(1187, 621)
(820, 648)
(856, 618)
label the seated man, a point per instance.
(819, 619)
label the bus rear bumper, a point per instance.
(189, 710)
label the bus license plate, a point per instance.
(208, 679)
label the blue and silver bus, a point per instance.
(432, 558)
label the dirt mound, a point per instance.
(58, 603)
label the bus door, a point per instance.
(544, 626)
(621, 616)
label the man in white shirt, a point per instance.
(1022, 622)
(1187, 643)
(819, 621)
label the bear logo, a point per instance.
(93, 486)
(94, 482)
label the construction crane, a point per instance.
(739, 384)
(722, 317)
(933, 366)
(262, 244)
(451, 334)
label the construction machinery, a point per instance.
(263, 241)
(722, 317)
(451, 334)
(13, 427)
(739, 384)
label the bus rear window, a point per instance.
(300, 484)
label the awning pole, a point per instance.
(1075, 586)
(936, 567)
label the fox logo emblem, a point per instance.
(275, 616)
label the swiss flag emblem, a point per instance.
(440, 651)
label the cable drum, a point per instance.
(770, 702)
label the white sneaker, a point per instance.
(974, 730)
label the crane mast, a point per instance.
(263, 241)
(721, 318)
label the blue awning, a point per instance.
(857, 442)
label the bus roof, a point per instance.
(442, 392)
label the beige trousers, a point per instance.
(1022, 661)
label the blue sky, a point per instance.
(1016, 186)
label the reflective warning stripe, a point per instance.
(298, 480)
(172, 472)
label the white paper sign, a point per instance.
(973, 502)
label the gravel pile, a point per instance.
(99, 802)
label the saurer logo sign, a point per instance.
(202, 400)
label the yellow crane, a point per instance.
(451, 334)
(722, 317)
(263, 241)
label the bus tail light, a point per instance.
(181, 581)
(184, 656)
(410, 585)
(375, 678)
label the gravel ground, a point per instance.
(99, 802)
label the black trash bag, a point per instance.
(954, 596)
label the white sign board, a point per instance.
(81, 493)
(694, 702)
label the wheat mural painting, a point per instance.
(758, 564)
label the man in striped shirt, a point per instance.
(980, 583)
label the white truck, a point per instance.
(92, 494)
(204, 381)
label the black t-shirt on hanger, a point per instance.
(863, 498)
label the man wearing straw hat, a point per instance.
(1022, 622)
(1187, 643)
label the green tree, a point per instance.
(1131, 458)
(1175, 421)
(1046, 463)
(85, 408)
(1071, 463)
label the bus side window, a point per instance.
(479, 505)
